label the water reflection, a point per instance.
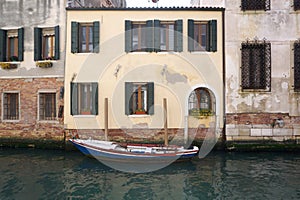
(38, 174)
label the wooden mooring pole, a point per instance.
(106, 118)
(166, 122)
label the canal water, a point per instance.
(51, 174)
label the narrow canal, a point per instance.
(50, 174)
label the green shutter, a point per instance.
(37, 43)
(3, 38)
(74, 37)
(149, 35)
(20, 44)
(156, 35)
(128, 94)
(190, 35)
(150, 98)
(178, 35)
(96, 36)
(213, 35)
(94, 98)
(74, 98)
(128, 36)
(57, 48)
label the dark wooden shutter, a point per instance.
(128, 36)
(37, 43)
(74, 98)
(213, 35)
(149, 36)
(157, 35)
(178, 35)
(3, 39)
(94, 98)
(96, 36)
(190, 35)
(297, 66)
(57, 48)
(74, 37)
(150, 98)
(21, 44)
(128, 94)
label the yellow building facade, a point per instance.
(135, 73)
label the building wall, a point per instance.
(112, 67)
(251, 115)
(28, 79)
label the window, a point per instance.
(297, 66)
(11, 45)
(296, 4)
(201, 102)
(47, 106)
(46, 43)
(255, 5)
(202, 35)
(256, 65)
(84, 98)
(85, 37)
(139, 98)
(153, 35)
(11, 106)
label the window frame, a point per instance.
(45, 118)
(246, 5)
(18, 113)
(296, 5)
(296, 68)
(167, 36)
(5, 45)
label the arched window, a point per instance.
(201, 102)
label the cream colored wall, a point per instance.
(201, 69)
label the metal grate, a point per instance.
(256, 66)
(296, 4)
(297, 66)
(255, 5)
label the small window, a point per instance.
(84, 98)
(11, 106)
(85, 37)
(139, 98)
(255, 5)
(297, 66)
(256, 66)
(11, 45)
(139, 36)
(47, 106)
(296, 4)
(46, 43)
(167, 36)
(202, 35)
(201, 103)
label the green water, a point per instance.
(49, 174)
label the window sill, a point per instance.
(48, 121)
(138, 115)
(202, 52)
(84, 116)
(10, 121)
(9, 65)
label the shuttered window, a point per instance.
(139, 98)
(202, 35)
(255, 5)
(11, 106)
(47, 106)
(46, 43)
(256, 65)
(153, 35)
(296, 4)
(11, 45)
(84, 98)
(85, 37)
(297, 66)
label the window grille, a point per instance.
(47, 105)
(296, 4)
(297, 66)
(11, 106)
(256, 66)
(255, 5)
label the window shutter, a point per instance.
(94, 98)
(3, 38)
(128, 94)
(56, 32)
(74, 37)
(178, 35)
(213, 35)
(190, 35)
(149, 36)
(156, 35)
(150, 100)
(37, 43)
(96, 36)
(128, 36)
(74, 98)
(20, 44)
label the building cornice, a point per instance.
(147, 9)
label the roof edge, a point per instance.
(147, 8)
